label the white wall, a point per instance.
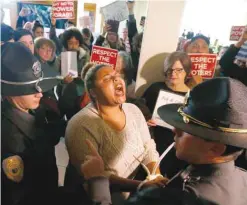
(214, 18)
(161, 34)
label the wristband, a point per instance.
(152, 176)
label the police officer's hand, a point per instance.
(94, 165)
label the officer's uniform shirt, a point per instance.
(223, 184)
(217, 184)
(28, 157)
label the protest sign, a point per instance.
(63, 9)
(117, 11)
(165, 98)
(101, 55)
(236, 32)
(203, 65)
(69, 64)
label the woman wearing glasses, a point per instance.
(177, 67)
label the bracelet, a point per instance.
(152, 177)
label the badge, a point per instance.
(37, 69)
(13, 168)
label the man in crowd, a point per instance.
(210, 134)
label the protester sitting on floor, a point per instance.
(24, 36)
(177, 67)
(117, 129)
(210, 134)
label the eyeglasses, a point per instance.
(177, 71)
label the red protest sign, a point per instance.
(236, 32)
(101, 55)
(63, 9)
(203, 65)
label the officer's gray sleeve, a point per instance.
(99, 189)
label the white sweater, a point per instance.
(117, 148)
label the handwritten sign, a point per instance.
(165, 98)
(203, 65)
(115, 11)
(69, 64)
(101, 55)
(236, 32)
(63, 9)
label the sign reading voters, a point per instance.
(63, 9)
(165, 98)
(236, 32)
(203, 65)
(101, 55)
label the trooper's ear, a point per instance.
(218, 149)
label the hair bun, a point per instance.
(86, 68)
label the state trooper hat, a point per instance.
(22, 73)
(214, 110)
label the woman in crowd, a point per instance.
(38, 29)
(44, 50)
(72, 40)
(87, 38)
(197, 44)
(117, 129)
(24, 36)
(177, 67)
(110, 39)
(124, 66)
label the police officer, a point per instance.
(29, 171)
(210, 133)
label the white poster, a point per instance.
(165, 98)
(69, 64)
(117, 11)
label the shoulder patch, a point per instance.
(13, 168)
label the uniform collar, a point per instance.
(205, 170)
(24, 121)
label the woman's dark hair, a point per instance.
(88, 75)
(128, 66)
(70, 33)
(22, 32)
(36, 25)
(137, 41)
(87, 32)
(178, 56)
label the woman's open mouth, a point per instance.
(119, 90)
